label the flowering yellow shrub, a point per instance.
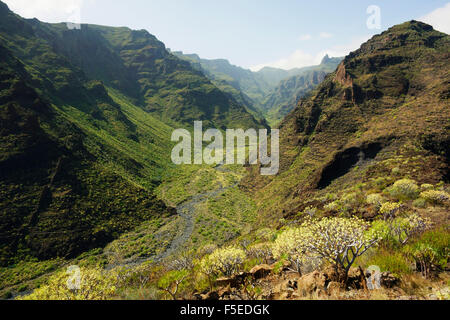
(291, 245)
(390, 209)
(375, 199)
(427, 187)
(404, 228)
(405, 189)
(333, 206)
(226, 261)
(339, 240)
(92, 284)
(261, 251)
(435, 197)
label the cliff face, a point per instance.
(342, 77)
(388, 99)
(284, 97)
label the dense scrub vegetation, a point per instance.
(404, 244)
(85, 179)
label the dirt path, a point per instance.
(186, 211)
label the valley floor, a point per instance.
(200, 221)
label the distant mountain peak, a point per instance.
(326, 59)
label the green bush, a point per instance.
(431, 251)
(405, 189)
(420, 203)
(376, 200)
(435, 197)
(389, 210)
(394, 262)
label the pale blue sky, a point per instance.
(249, 33)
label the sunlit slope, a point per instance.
(386, 109)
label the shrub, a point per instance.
(382, 228)
(333, 206)
(172, 282)
(226, 261)
(389, 210)
(262, 252)
(427, 187)
(185, 261)
(94, 284)
(381, 182)
(376, 200)
(425, 257)
(404, 189)
(339, 240)
(400, 230)
(350, 200)
(435, 197)
(431, 251)
(291, 245)
(420, 203)
(394, 262)
(405, 228)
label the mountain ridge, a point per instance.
(367, 106)
(270, 91)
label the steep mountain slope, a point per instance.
(284, 97)
(270, 92)
(85, 132)
(135, 63)
(244, 85)
(57, 197)
(383, 114)
(273, 76)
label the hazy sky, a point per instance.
(249, 33)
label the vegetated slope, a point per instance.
(135, 63)
(270, 92)
(83, 144)
(284, 97)
(236, 80)
(384, 114)
(57, 197)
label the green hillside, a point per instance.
(87, 117)
(243, 85)
(382, 115)
(285, 96)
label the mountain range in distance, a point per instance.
(269, 93)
